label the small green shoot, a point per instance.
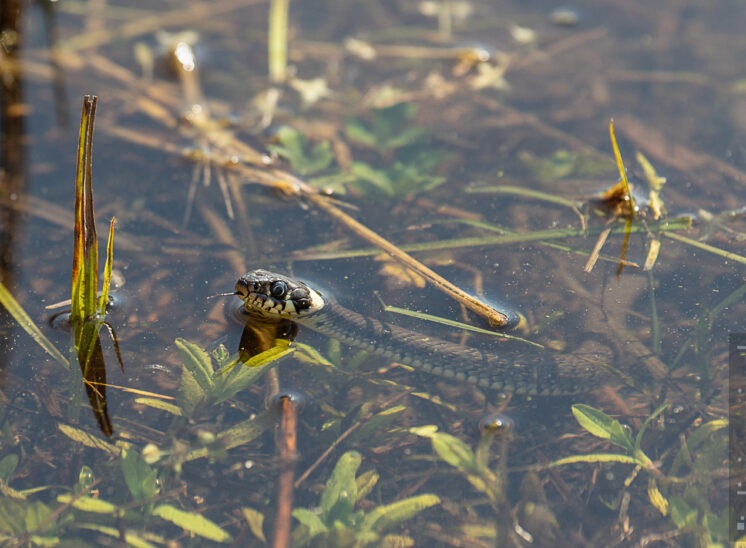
(603, 426)
(338, 523)
(386, 130)
(304, 159)
(622, 171)
(201, 383)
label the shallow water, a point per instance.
(413, 141)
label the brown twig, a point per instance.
(287, 449)
(304, 476)
(494, 317)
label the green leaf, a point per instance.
(37, 514)
(294, 148)
(12, 516)
(681, 513)
(28, 325)
(130, 538)
(365, 483)
(357, 132)
(89, 504)
(596, 457)
(141, 479)
(104, 299)
(255, 519)
(155, 403)
(192, 522)
(198, 363)
(602, 425)
(449, 448)
(241, 377)
(310, 520)
(341, 484)
(384, 517)
(641, 433)
(378, 178)
(699, 436)
(89, 440)
(8, 465)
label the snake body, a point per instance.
(272, 295)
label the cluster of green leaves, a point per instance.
(682, 493)
(138, 506)
(405, 163)
(203, 384)
(410, 163)
(339, 520)
(564, 163)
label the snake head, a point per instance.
(276, 296)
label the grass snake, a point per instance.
(274, 296)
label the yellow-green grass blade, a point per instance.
(28, 325)
(107, 270)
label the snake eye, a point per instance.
(278, 289)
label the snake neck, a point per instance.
(528, 372)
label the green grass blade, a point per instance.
(595, 458)
(28, 325)
(104, 300)
(450, 323)
(278, 40)
(525, 192)
(622, 171)
(706, 247)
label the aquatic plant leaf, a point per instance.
(378, 425)
(192, 522)
(396, 541)
(602, 425)
(141, 479)
(8, 491)
(357, 132)
(655, 182)
(255, 519)
(377, 177)
(383, 517)
(89, 504)
(449, 448)
(160, 404)
(37, 514)
(341, 484)
(365, 483)
(240, 378)
(131, 538)
(681, 513)
(12, 516)
(656, 498)
(28, 325)
(89, 440)
(8, 465)
(293, 146)
(311, 521)
(197, 362)
(595, 458)
(641, 433)
(239, 434)
(104, 299)
(695, 439)
(622, 171)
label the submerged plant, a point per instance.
(340, 522)
(88, 309)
